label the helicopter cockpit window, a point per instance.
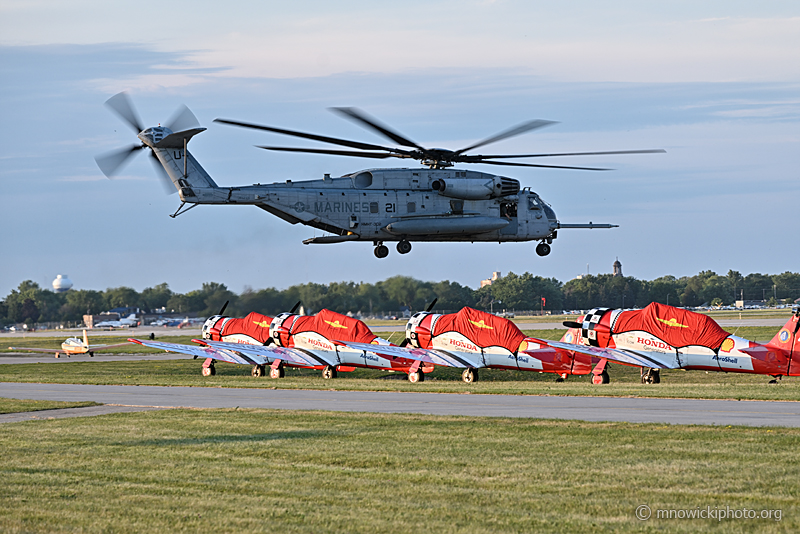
(362, 180)
(532, 204)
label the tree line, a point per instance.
(32, 304)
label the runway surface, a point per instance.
(636, 410)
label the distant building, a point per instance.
(496, 275)
(617, 268)
(62, 283)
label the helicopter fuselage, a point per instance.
(399, 204)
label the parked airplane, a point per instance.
(663, 337)
(125, 322)
(473, 339)
(73, 345)
(311, 342)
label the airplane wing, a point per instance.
(434, 356)
(32, 349)
(294, 356)
(203, 352)
(654, 360)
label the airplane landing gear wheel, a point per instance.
(276, 373)
(651, 376)
(381, 251)
(91, 354)
(416, 376)
(559, 380)
(258, 370)
(403, 247)
(602, 378)
(329, 372)
(542, 249)
(470, 375)
(209, 371)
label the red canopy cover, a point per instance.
(334, 326)
(254, 325)
(675, 326)
(483, 329)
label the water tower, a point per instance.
(62, 283)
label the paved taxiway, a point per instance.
(636, 410)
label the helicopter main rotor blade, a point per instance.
(166, 181)
(511, 132)
(357, 115)
(510, 164)
(478, 158)
(183, 119)
(121, 104)
(112, 162)
(374, 155)
(313, 137)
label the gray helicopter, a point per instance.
(434, 203)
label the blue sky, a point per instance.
(716, 84)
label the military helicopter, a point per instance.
(435, 203)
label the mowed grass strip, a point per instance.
(625, 381)
(284, 471)
(27, 405)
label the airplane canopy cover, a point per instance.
(254, 325)
(483, 329)
(334, 326)
(676, 326)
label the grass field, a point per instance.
(283, 471)
(24, 405)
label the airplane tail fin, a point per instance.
(85, 338)
(787, 340)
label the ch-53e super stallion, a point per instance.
(434, 203)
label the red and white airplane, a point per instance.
(663, 337)
(311, 342)
(73, 345)
(473, 339)
(656, 337)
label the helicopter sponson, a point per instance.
(437, 203)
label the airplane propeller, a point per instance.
(428, 308)
(436, 158)
(110, 163)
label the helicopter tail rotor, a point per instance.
(111, 163)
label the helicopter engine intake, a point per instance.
(476, 188)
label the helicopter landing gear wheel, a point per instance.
(381, 251)
(542, 249)
(404, 247)
(329, 372)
